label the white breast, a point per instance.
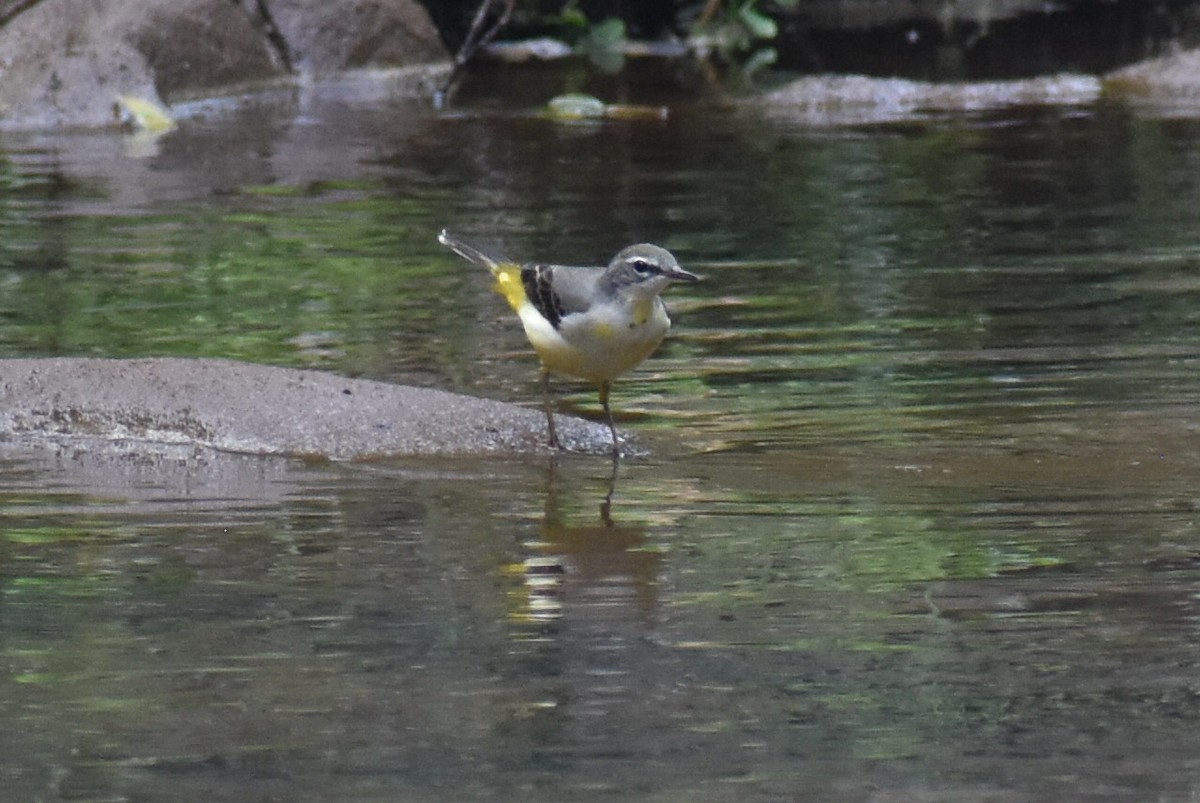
(600, 345)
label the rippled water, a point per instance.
(919, 520)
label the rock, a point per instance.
(852, 99)
(1170, 78)
(322, 36)
(255, 409)
(541, 49)
(196, 47)
(64, 63)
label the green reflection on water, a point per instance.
(43, 535)
(893, 286)
(315, 278)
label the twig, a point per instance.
(15, 9)
(709, 11)
(476, 38)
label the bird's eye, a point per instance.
(642, 267)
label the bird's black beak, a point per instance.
(680, 275)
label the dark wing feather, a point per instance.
(539, 289)
(558, 291)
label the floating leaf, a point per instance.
(576, 106)
(143, 114)
(634, 112)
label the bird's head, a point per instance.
(646, 269)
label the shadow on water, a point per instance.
(918, 520)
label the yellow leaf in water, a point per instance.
(145, 115)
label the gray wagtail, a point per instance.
(588, 322)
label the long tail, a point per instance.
(469, 253)
(508, 274)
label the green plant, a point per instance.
(738, 31)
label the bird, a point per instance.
(592, 323)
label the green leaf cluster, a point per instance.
(739, 31)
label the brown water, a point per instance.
(918, 524)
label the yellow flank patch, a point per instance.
(642, 308)
(603, 331)
(509, 285)
(567, 361)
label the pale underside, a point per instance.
(600, 346)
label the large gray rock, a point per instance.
(321, 36)
(64, 63)
(257, 409)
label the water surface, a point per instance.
(918, 519)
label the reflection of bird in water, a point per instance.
(602, 561)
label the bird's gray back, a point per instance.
(560, 290)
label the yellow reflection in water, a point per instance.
(581, 559)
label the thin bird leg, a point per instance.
(606, 505)
(554, 444)
(605, 388)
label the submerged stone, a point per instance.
(843, 99)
